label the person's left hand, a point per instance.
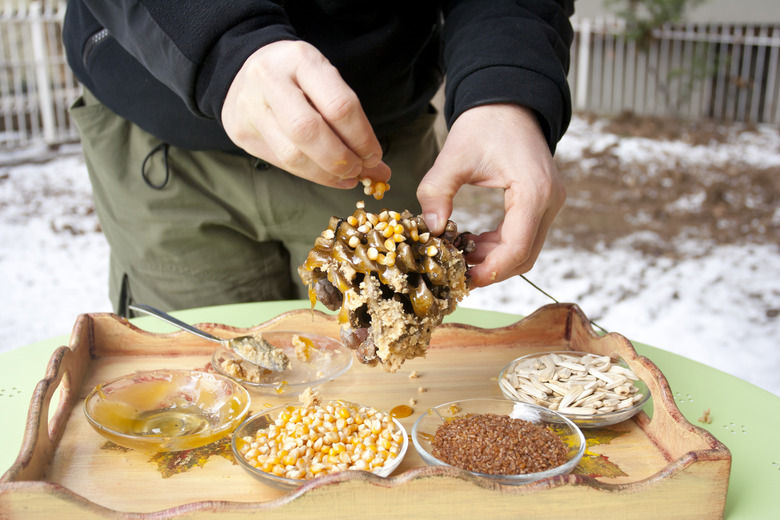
(497, 146)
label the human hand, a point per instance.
(497, 146)
(290, 107)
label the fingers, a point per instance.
(497, 146)
(499, 255)
(439, 186)
(289, 106)
(340, 109)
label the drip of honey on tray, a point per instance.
(401, 411)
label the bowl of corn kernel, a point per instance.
(287, 445)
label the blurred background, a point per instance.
(671, 230)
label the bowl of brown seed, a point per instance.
(507, 441)
(590, 389)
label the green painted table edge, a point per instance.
(738, 408)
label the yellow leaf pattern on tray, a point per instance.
(594, 464)
(175, 462)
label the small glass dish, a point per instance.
(583, 420)
(166, 410)
(318, 359)
(262, 421)
(424, 430)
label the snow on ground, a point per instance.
(53, 264)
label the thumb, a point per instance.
(435, 193)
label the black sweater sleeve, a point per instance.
(194, 47)
(509, 51)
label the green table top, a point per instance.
(738, 408)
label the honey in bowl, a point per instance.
(166, 410)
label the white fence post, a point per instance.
(42, 76)
(583, 65)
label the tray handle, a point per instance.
(65, 372)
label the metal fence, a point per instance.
(690, 71)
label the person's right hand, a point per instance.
(290, 107)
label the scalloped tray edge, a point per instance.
(693, 484)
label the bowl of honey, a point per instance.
(166, 410)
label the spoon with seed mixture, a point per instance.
(252, 348)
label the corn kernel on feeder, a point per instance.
(392, 281)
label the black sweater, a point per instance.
(167, 65)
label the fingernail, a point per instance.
(371, 160)
(432, 221)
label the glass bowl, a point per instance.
(166, 410)
(262, 421)
(322, 359)
(582, 419)
(425, 428)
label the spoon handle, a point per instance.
(147, 309)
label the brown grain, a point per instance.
(498, 445)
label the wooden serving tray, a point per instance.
(659, 468)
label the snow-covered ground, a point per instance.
(711, 308)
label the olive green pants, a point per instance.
(192, 229)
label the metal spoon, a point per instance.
(252, 348)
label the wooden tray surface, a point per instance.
(664, 467)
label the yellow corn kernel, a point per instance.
(294, 473)
(278, 470)
(380, 189)
(352, 221)
(343, 412)
(289, 460)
